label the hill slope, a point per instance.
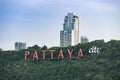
(103, 66)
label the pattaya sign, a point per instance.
(93, 50)
(60, 54)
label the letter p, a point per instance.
(27, 53)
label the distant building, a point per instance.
(70, 36)
(84, 39)
(19, 46)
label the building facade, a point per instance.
(19, 46)
(84, 39)
(70, 36)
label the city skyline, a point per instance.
(40, 21)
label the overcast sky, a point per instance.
(40, 21)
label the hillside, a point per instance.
(102, 66)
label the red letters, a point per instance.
(70, 53)
(60, 54)
(80, 53)
(44, 51)
(27, 53)
(35, 55)
(51, 52)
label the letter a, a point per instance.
(27, 53)
(70, 53)
(60, 54)
(80, 53)
(35, 55)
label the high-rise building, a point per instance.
(70, 36)
(19, 46)
(84, 39)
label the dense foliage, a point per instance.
(102, 66)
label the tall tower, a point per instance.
(69, 36)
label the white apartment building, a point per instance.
(70, 36)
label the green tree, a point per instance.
(44, 47)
